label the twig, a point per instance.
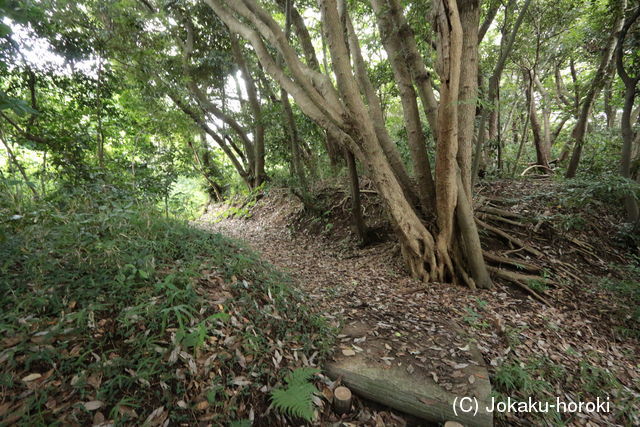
(500, 212)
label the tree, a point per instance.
(631, 87)
(445, 249)
(597, 83)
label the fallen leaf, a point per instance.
(93, 405)
(201, 406)
(157, 417)
(348, 352)
(31, 377)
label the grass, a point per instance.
(542, 380)
(626, 291)
(111, 312)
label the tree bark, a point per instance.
(411, 114)
(356, 205)
(468, 96)
(539, 139)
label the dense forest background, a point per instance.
(459, 130)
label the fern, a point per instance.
(295, 399)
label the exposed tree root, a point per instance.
(524, 277)
(524, 172)
(500, 212)
(512, 262)
(501, 200)
(500, 219)
(517, 279)
(509, 238)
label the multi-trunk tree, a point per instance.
(430, 211)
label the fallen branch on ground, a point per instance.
(500, 219)
(510, 261)
(509, 238)
(517, 278)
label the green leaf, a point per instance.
(4, 29)
(296, 399)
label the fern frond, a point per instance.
(295, 400)
(300, 376)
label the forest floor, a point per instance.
(582, 344)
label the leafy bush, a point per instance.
(187, 198)
(608, 189)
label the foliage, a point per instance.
(105, 301)
(187, 198)
(627, 290)
(295, 400)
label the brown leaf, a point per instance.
(93, 405)
(98, 418)
(157, 417)
(202, 405)
(31, 377)
(127, 411)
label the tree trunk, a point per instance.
(256, 109)
(354, 190)
(19, 166)
(411, 114)
(630, 84)
(539, 139)
(596, 85)
(494, 82)
(523, 141)
(469, 18)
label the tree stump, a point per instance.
(341, 400)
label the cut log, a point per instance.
(415, 394)
(342, 400)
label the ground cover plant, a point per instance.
(112, 313)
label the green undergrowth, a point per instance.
(625, 291)
(540, 379)
(239, 206)
(110, 312)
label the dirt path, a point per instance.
(571, 344)
(366, 287)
